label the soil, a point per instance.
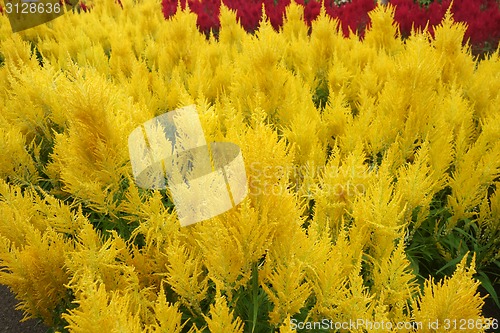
(10, 318)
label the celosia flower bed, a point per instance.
(373, 168)
(481, 16)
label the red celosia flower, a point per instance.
(483, 19)
(402, 15)
(275, 11)
(84, 7)
(481, 16)
(208, 14)
(248, 13)
(169, 7)
(353, 15)
(311, 11)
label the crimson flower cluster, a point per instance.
(248, 12)
(482, 16)
(352, 15)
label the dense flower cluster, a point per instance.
(373, 170)
(354, 15)
(481, 16)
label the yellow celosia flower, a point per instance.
(98, 310)
(36, 272)
(417, 184)
(451, 302)
(394, 284)
(346, 144)
(342, 181)
(186, 276)
(168, 318)
(221, 318)
(383, 33)
(289, 291)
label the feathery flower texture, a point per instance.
(353, 180)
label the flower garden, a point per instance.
(371, 143)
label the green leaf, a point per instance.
(449, 264)
(486, 283)
(255, 295)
